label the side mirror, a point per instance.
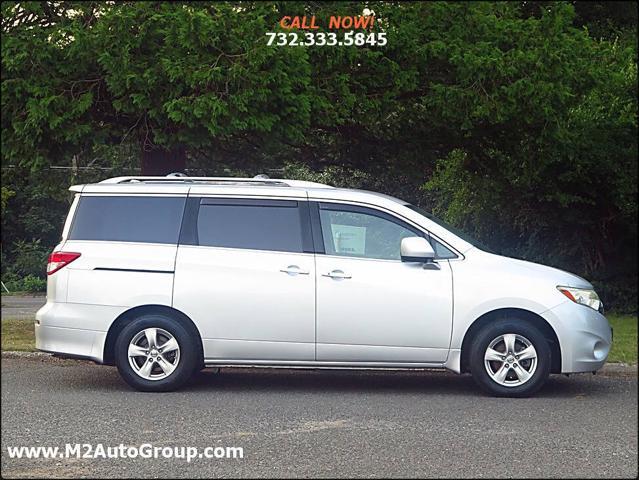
(416, 249)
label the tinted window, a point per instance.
(128, 219)
(441, 251)
(267, 225)
(359, 234)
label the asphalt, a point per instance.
(21, 306)
(320, 424)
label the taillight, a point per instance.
(58, 260)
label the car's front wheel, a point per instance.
(154, 353)
(510, 358)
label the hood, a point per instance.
(530, 269)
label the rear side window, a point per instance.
(128, 219)
(258, 225)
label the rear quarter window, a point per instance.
(128, 219)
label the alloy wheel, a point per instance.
(510, 360)
(153, 353)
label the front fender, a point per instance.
(464, 318)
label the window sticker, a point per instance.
(348, 239)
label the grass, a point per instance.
(624, 342)
(22, 293)
(17, 334)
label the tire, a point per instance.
(153, 369)
(518, 375)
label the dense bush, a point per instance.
(29, 283)
(29, 258)
(27, 266)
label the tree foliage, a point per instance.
(519, 119)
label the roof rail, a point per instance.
(174, 179)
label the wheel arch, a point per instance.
(526, 315)
(126, 317)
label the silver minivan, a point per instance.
(163, 276)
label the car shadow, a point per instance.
(339, 382)
(395, 381)
(330, 381)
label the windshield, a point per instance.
(450, 228)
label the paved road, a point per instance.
(321, 423)
(18, 306)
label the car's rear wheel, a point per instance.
(155, 353)
(510, 358)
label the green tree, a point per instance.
(166, 75)
(547, 168)
(519, 116)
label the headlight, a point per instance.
(584, 296)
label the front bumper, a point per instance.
(585, 336)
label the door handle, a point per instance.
(337, 274)
(294, 270)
